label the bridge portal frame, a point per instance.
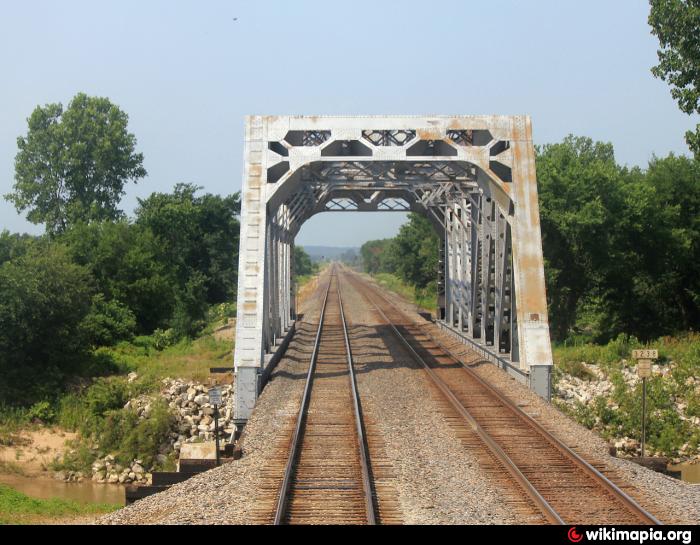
(472, 176)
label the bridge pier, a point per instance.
(473, 177)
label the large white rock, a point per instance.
(201, 399)
(198, 451)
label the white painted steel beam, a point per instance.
(472, 176)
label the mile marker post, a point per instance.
(644, 359)
(215, 399)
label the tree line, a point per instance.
(621, 245)
(99, 283)
(96, 277)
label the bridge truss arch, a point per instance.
(472, 176)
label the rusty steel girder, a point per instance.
(473, 177)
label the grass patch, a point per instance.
(189, 360)
(423, 298)
(303, 279)
(18, 508)
(576, 369)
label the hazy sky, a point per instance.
(186, 73)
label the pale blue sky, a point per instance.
(187, 73)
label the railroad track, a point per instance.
(327, 476)
(563, 487)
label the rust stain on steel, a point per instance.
(430, 134)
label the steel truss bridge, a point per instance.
(473, 177)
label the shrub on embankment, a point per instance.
(599, 387)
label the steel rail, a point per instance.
(281, 507)
(362, 444)
(295, 442)
(628, 501)
(551, 515)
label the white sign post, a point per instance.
(645, 358)
(215, 399)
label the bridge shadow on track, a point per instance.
(374, 348)
(386, 351)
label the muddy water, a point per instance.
(689, 472)
(85, 492)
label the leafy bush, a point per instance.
(124, 433)
(108, 322)
(143, 439)
(162, 339)
(118, 430)
(222, 312)
(44, 298)
(577, 369)
(78, 457)
(620, 414)
(42, 411)
(86, 412)
(190, 313)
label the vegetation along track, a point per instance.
(328, 477)
(564, 488)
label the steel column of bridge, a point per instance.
(473, 177)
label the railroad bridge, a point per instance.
(473, 177)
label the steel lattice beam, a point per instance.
(472, 176)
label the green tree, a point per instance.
(416, 251)
(666, 239)
(13, 245)
(129, 267)
(676, 23)
(196, 233)
(73, 164)
(580, 204)
(377, 256)
(621, 246)
(302, 262)
(108, 322)
(44, 298)
(191, 307)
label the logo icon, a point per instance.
(573, 535)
